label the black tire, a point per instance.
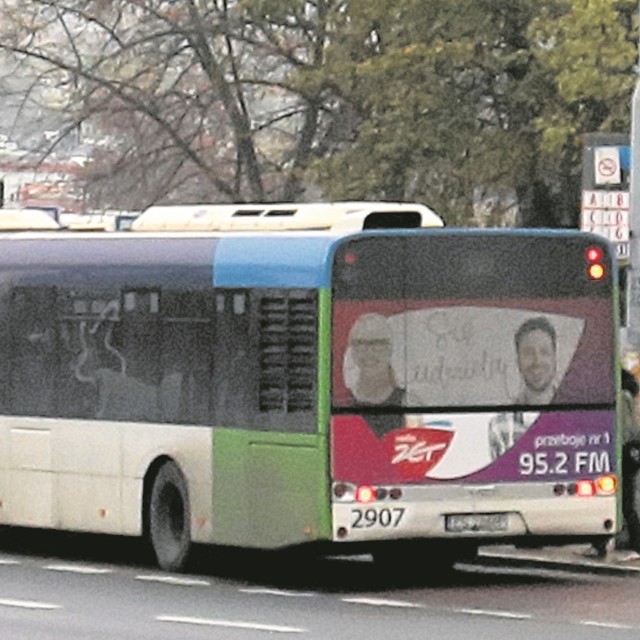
(170, 518)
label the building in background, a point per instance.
(58, 186)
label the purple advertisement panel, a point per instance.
(482, 447)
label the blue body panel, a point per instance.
(269, 261)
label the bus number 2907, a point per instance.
(367, 518)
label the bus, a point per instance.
(286, 216)
(13, 220)
(412, 392)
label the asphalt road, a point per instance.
(55, 587)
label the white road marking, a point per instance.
(228, 623)
(8, 561)
(497, 614)
(607, 625)
(28, 604)
(174, 580)
(77, 569)
(382, 602)
(277, 592)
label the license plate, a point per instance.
(476, 522)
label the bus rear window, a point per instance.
(481, 321)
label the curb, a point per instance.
(575, 564)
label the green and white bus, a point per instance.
(358, 387)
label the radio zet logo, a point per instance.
(416, 451)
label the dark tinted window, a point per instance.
(265, 364)
(450, 320)
(32, 351)
(107, 354)
(440, 264)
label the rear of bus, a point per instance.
(474, 390)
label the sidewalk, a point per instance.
(573, 557)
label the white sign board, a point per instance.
(607, 165)
(606, 213)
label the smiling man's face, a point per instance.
(537, 359)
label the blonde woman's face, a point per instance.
(372, 353)
(371, 343)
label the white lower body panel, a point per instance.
(508, 510)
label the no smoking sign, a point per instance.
(607, 165)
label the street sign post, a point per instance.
(633, 280)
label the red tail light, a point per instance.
(593, 254)
(585, 488)
(365, 493)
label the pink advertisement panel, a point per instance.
(437, 391)
(555, 446)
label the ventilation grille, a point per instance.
(287, 353)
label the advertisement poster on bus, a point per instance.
(501, 367)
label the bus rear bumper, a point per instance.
(491, 520)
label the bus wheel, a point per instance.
(169, 518)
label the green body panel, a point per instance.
(271, 489)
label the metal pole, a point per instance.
(633, 282)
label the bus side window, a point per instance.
(187, 330)
(265, 359)
(5, 343)
(126, 344)
(32, 351)
(234, 371)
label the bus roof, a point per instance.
(275, 259)
(27, 220)
(346, 216)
